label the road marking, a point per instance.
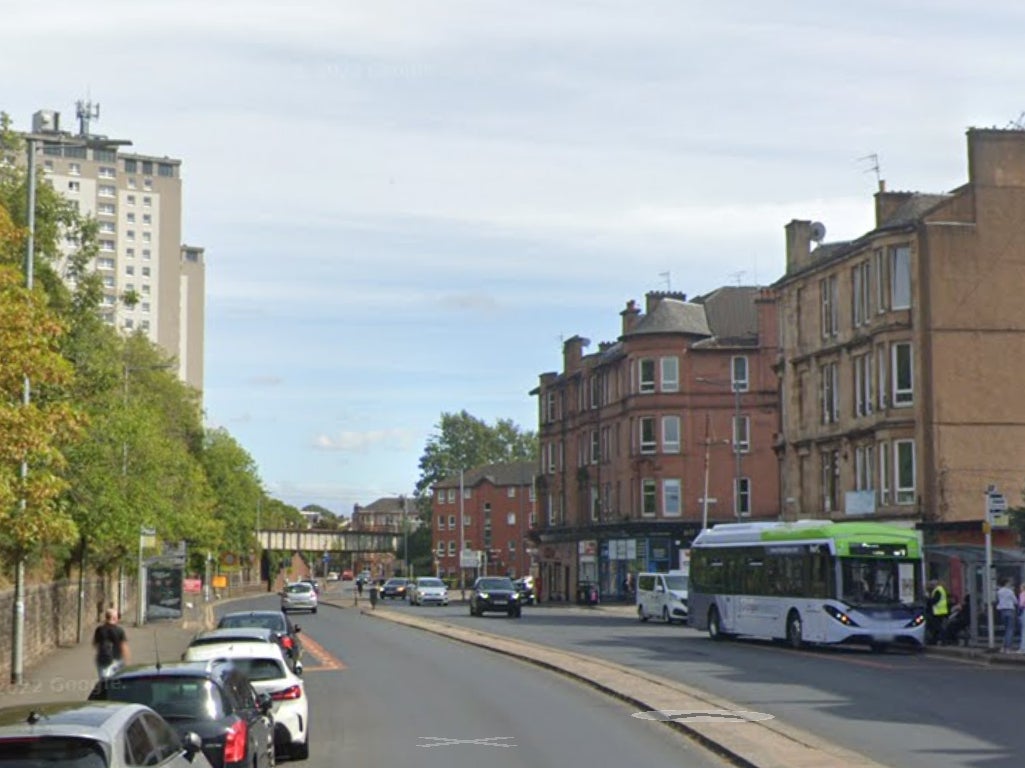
(488, 741)
(327, 660)
(703, 715)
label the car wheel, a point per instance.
(300, 751)
(640, 613)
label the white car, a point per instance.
(269, 673)
(428, 590)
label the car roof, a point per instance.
(230, 650)
(214, 669)
(97, 720)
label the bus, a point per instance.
(810, 581)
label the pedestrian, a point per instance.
(1007, 607)
(1021, 616)
(373, 597)
(111, 646)
(939, 610)
(359, 586)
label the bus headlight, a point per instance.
(918, 621)
(840, 616)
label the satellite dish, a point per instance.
(818, 231)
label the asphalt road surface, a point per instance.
(902, 709)
(386, 695)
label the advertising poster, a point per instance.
(164, 593)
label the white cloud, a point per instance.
(361, 442)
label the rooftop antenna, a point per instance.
(668, 278)
(737, 276)
(873, 167)
(1018, 124)
(86, 111)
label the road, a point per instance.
(385, 695)
(901, 709)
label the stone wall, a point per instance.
(51, 617)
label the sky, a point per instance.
(407, 205)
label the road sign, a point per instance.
(996, 509)
(469, 558)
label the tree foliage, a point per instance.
(463, 442)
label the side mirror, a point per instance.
(192, 745)
(264, 702)
(297, 629)
(298, 669)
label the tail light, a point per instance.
(286, 641)
(288, 694)
(235, 743)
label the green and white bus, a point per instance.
(810, 581)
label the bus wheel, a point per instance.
(794, 630)
(640, 613)
(715, 625)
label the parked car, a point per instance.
(525, 588)
(237, 634)
(265, 666)
(213, 699)
(427, 589)
(494, 593)
(662, 596)
(313, 583)
(395, 588)
(346, 575)
(300, 596)
(276, 621)
(94, 734)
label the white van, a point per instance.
(662, 596)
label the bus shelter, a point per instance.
(961, 567)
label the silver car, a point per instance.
(94, 734)
(428, 590)
(300, 596)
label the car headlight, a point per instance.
(840, 616)
(484, 595)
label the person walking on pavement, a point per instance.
(939, 610)
(373, 595)
(111, 645)
(1007, 606)
(1021, 616)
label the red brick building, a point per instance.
(632, 434)
(499, 509)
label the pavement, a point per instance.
(68, 673)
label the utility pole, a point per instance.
(462, 538)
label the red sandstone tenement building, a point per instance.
(626, 434)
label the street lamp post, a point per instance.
(734, 384)
(462, 539)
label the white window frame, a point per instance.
(510, 518)
(904, 494)
(645, 385)
(900, 277)
(650, 445)
(742, 492)
(670, 374)
(595, 446)
(882, 391)
(672, 497)
(863, 384)
(671, 434)
(742, 433)
(441, 549)
(830, 394)
(884, 473)
(903, 396)
(649, 492)
(451, 548)
(738, 382)
(451, 522)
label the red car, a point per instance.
(346, 575)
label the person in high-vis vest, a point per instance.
(938, 611)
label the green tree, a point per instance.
(233, 479)
(463, 441)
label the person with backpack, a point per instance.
(111, 645)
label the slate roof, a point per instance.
(500, 474)
(672, 316)
(913, 209)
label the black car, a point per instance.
(212, 699)
(277, 621)
(395, 588)
(525, 588)
(495, 593)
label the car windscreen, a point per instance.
(66, 751)
(260, 669)
(267, 621)
(294, 589)
(486, 584)
(174, 697)
(430, 583)
(677, 583)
